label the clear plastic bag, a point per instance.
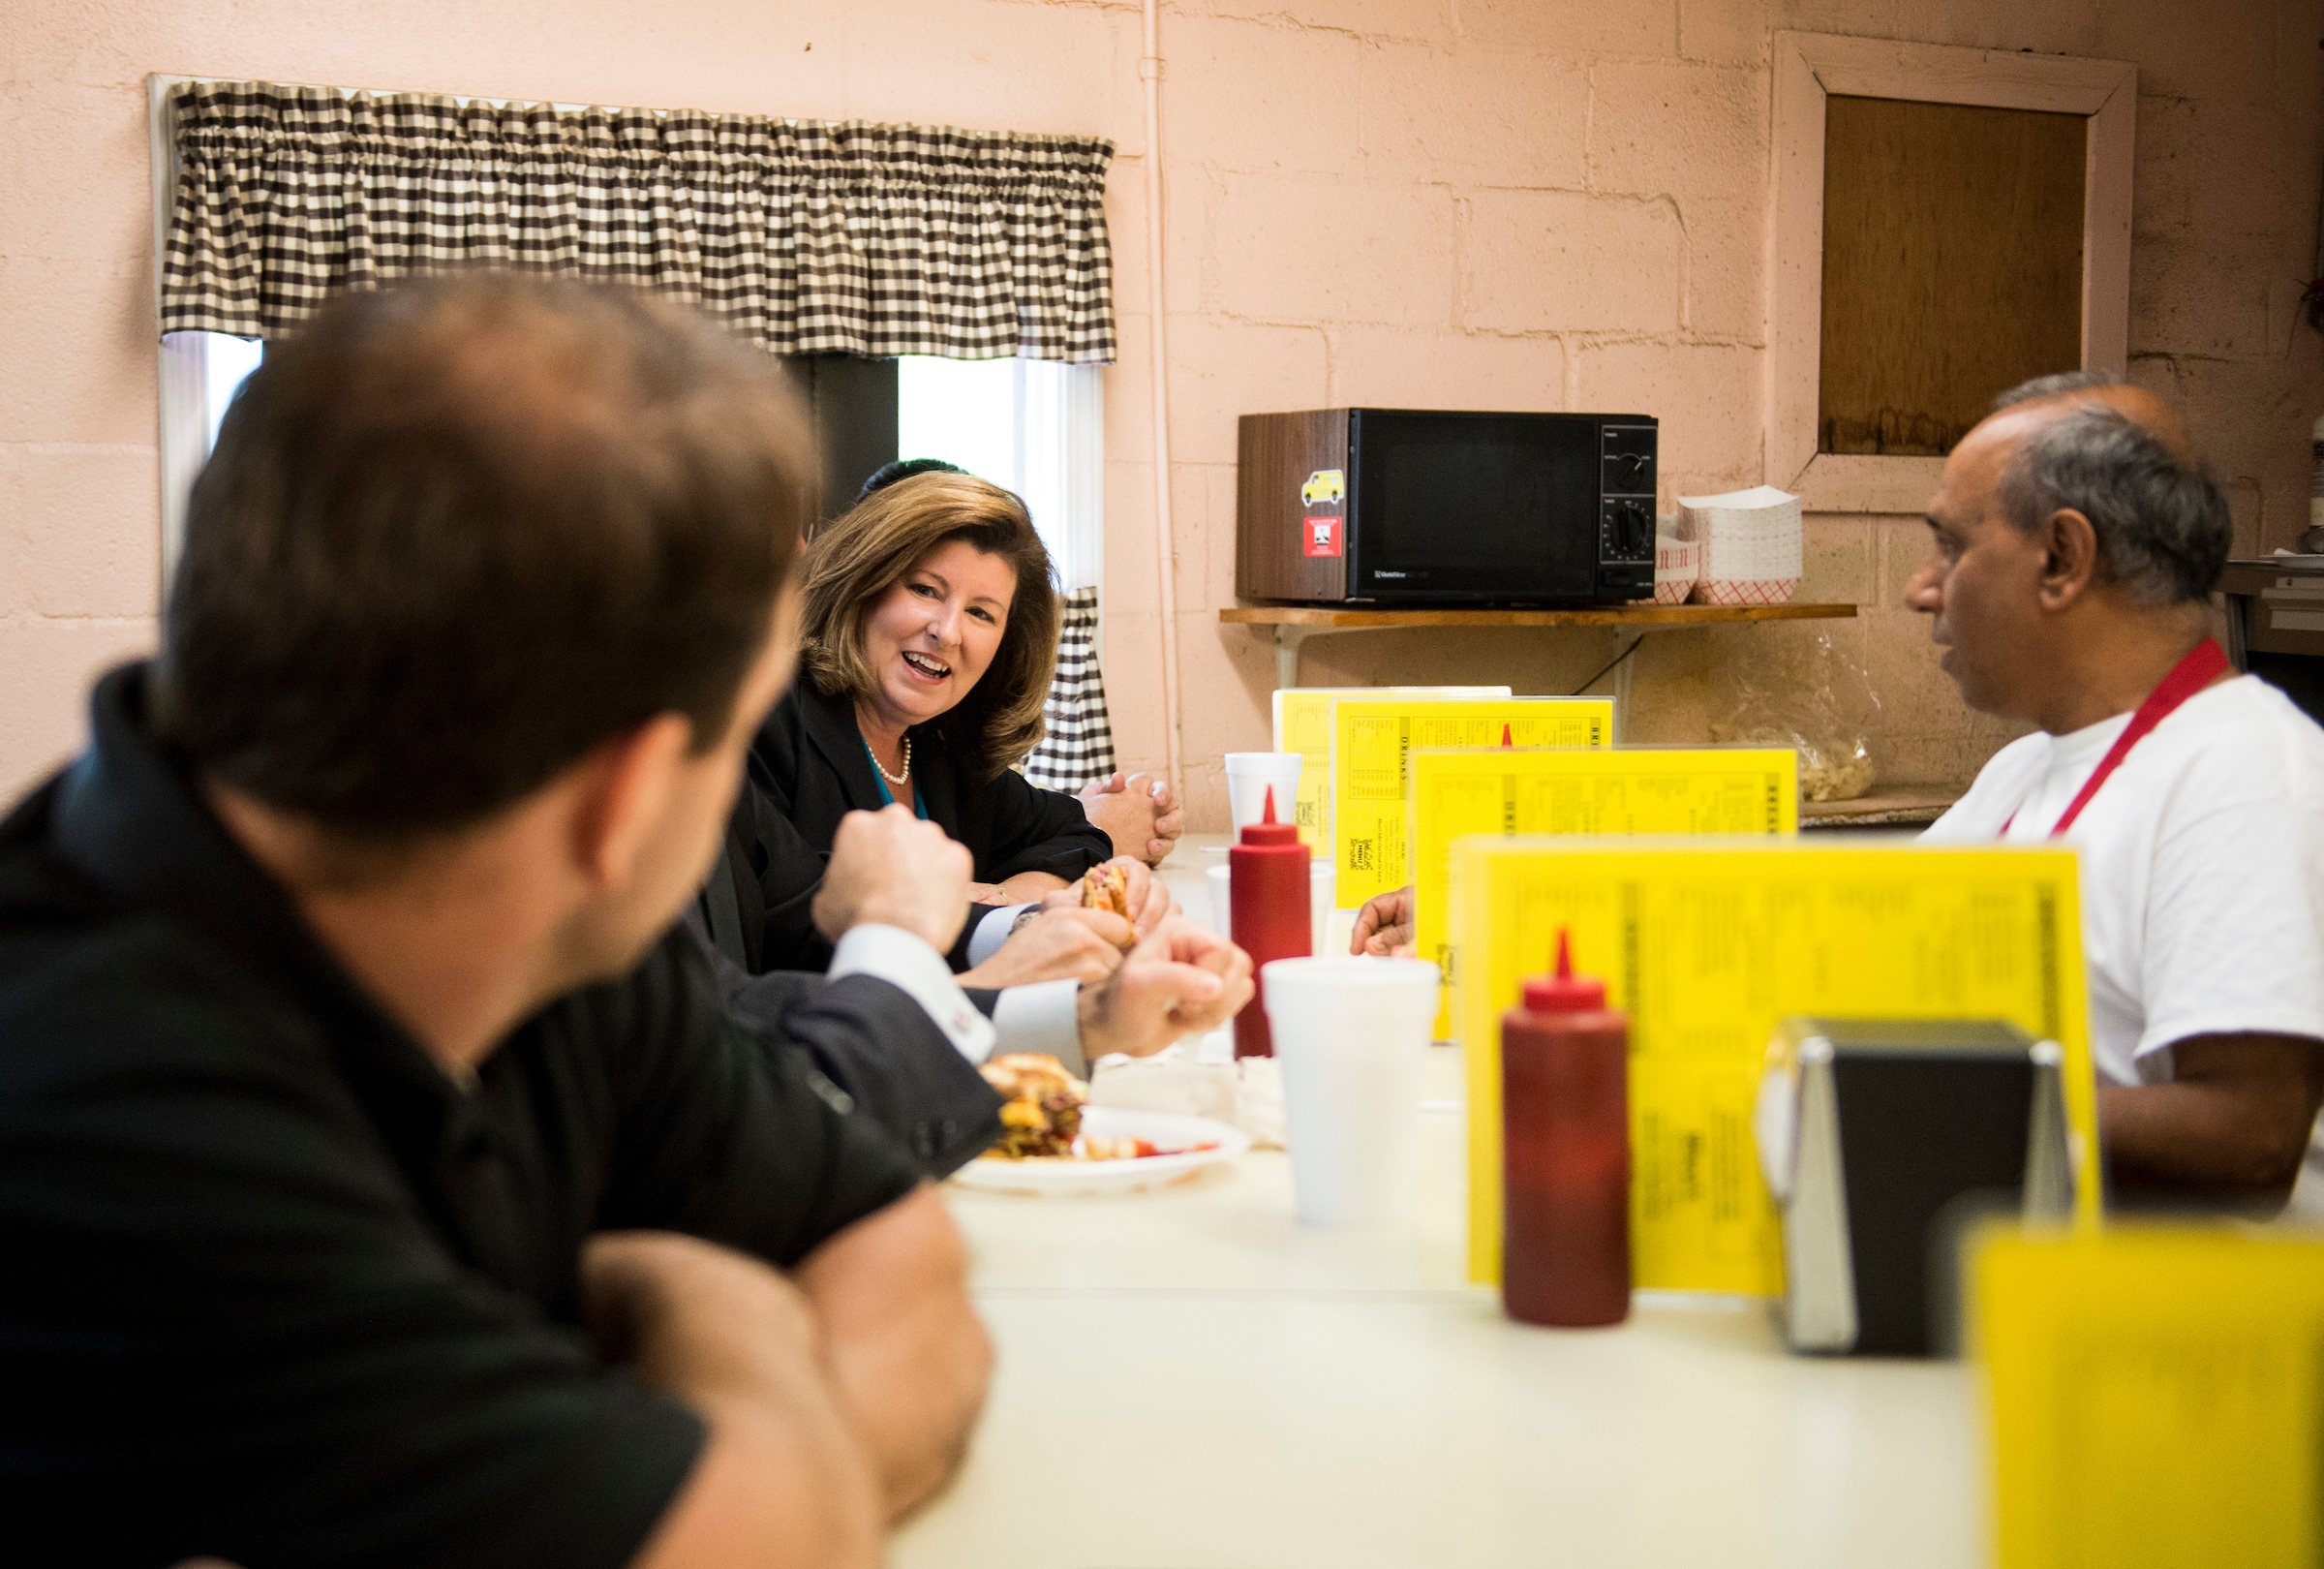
(1809, 696)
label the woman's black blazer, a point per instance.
(809, 769)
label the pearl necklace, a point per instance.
(895, 779)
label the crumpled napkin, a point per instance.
(1201, 1078)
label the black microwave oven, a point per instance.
(1405, 506)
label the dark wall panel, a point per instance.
(853, 402)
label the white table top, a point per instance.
(1188, 1379)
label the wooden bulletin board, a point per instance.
(1952, 267)
(1816, 73)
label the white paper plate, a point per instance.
(1068, 1177)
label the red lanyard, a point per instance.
(2202, 665)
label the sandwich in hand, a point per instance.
(1107, 887)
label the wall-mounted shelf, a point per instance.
(1293, 624)
(1895, 806)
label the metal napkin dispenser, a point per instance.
(1878, 1137)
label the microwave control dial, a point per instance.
(1626, 460)
(1627, 532)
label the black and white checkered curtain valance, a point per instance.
(1077, 742)
(803, 237)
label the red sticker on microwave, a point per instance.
(1323, 536)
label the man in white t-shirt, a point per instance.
(2076, 543)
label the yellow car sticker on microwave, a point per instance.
(1324, 486)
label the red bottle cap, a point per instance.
(1266, 830)
(1565, 992)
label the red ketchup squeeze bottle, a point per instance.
(1564, 1153)
(1267, 906)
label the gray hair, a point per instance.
(2161, 519)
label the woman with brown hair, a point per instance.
(928, 639)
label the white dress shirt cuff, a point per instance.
(1043, 1017)
(991, 930)
(907, 963)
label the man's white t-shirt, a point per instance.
(2202, 874)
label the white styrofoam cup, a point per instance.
(1323, 884)
(1352, 1040)
(1249, 775)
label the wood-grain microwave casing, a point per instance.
(1415, 507)
(1274, 454)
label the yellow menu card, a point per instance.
(1723, 791)
(1372, 742)
(2157, 1397)
(1304, 724)
(1705, 947)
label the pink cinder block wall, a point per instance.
(1487, 204)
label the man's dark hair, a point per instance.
(2162, 522)
(887, 474)
(457, 534)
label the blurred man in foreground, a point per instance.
(382, 1178)
(2075, 541)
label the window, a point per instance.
(1048, 443)
(1034, 426)
(201, 371)
(201, 374)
